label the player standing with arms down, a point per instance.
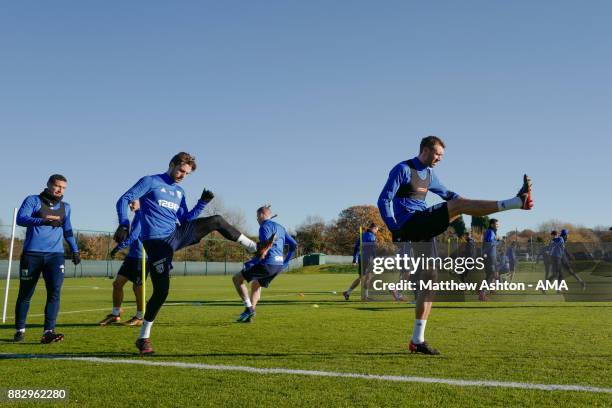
(47, 219)
(403, 208)
(167, 226)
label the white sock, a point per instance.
(418, 334)
(349, 290)
(247, 302)
(247, 243)
(139, 314)
(21, 330)
(116, 311)
(513, 203)
(366, 293)
(145, 330)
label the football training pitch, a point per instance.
(309, 347)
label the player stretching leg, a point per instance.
(130, 270)
(267, 263)
(47, 219)
(402, 206)
(167, 226)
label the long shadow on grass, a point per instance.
(102, 354)
(59, 326)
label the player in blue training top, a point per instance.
(47, 219)
(368, 236)
(565, 260)
(403, 208)
(489, 253)
(267, 263)
(557, 253)
(167, 225)
(130, 270)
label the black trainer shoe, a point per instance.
(51, 336)
(144, 347)
(525, 194)
(423, 348)
(19, 336)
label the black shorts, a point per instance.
(262, 273)
(424, 225)
(131, 268)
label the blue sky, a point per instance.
(308, 105)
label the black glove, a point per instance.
(207, 195)
(53, 223)
(121, 234)
(113, 253)
(76, 258)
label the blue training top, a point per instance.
(275, 254)
(557, 247)
(366, 236)
(133, 240)
(395, 211)
(44, 238)
(162, 206)
(489, 243)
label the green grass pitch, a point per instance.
(545, 343)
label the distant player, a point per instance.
(489, 253)
(47, 219)
(403, 208)
(130, 270)
(368, 236)
(467, 249)
(544, 254)
(557, 252)
(512, 259)
(565, 259)
(167, 226)
(268, 262)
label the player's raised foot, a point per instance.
(246, 316)
(51, 336)
(145, 347)
(134, 321)
(110, 319)
(346, 295)
(19, 336)
(422, 348)
(525, 194)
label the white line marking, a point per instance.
(316, 373)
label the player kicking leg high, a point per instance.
(167, 226)
(403, 208)
(267, 263)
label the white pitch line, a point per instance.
(316, 373)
